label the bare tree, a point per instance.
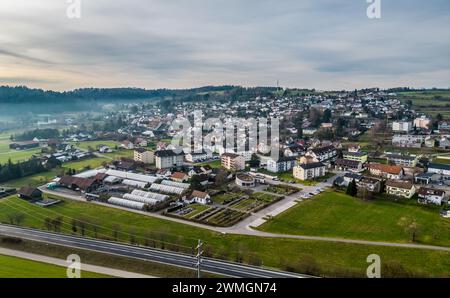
(410, 226)
(48, 223)
(115, 231)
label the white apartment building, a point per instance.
(233, 162)
(165, 159)
(144, 156)
(309, 171)
(402, 126)
(422, 122)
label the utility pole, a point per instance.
(199, 258)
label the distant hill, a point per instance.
(23, 94)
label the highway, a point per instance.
(147, 254)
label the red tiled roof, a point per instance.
(395, 170)
(179, 175)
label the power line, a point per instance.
(199, 257)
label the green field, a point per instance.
(215, 164)
(331, 257)
(429, 102)
(45, 177)
(120, 153)
(85, 163)
(117, 154)
(333, 214)
(35, 180)
(12, 267)
(226, 198)
(15, 155)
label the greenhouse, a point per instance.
(126, 203)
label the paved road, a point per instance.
(147, 254)
(63, 263)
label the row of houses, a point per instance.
(398, 188)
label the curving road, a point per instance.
(147, 254)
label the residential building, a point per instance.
(408, 141)
(353, 148)
(357, 156)
(163, 173)
(438, 168)
(323, 153)
(430, 196)
(307, 159)
(179, 177)
(144, 156)
(198, 157)
(422, 122)
(29, 193)
(444, 143)
(430, 142)
(349, 177)
(348, 165)
(309, 171)
(370, 184)
(309, 131)
(386, 171)
(402, 126)
(168, 159)
(127, 145)
(294, 150)
(200, 197)
(24, 145)
(403, 160)
(140, 142)
(283, 164)
(423, 178)
(233, 162)
(444, 125)
(400, 188)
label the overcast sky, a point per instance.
(323, 44)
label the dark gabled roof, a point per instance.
(230, 155)
(286, 158)
(28, 191)
(439, 166)
(312, 165)
(399, 184)
(323, 150)
(206, 168)
(369, 180)
(347, 162)
(358, 154)
(353, 176)
(141, 150)
(167, 153)
(425, 175)
(82, 183)
(430, 191)
(100, 176)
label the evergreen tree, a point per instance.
(352, 189)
